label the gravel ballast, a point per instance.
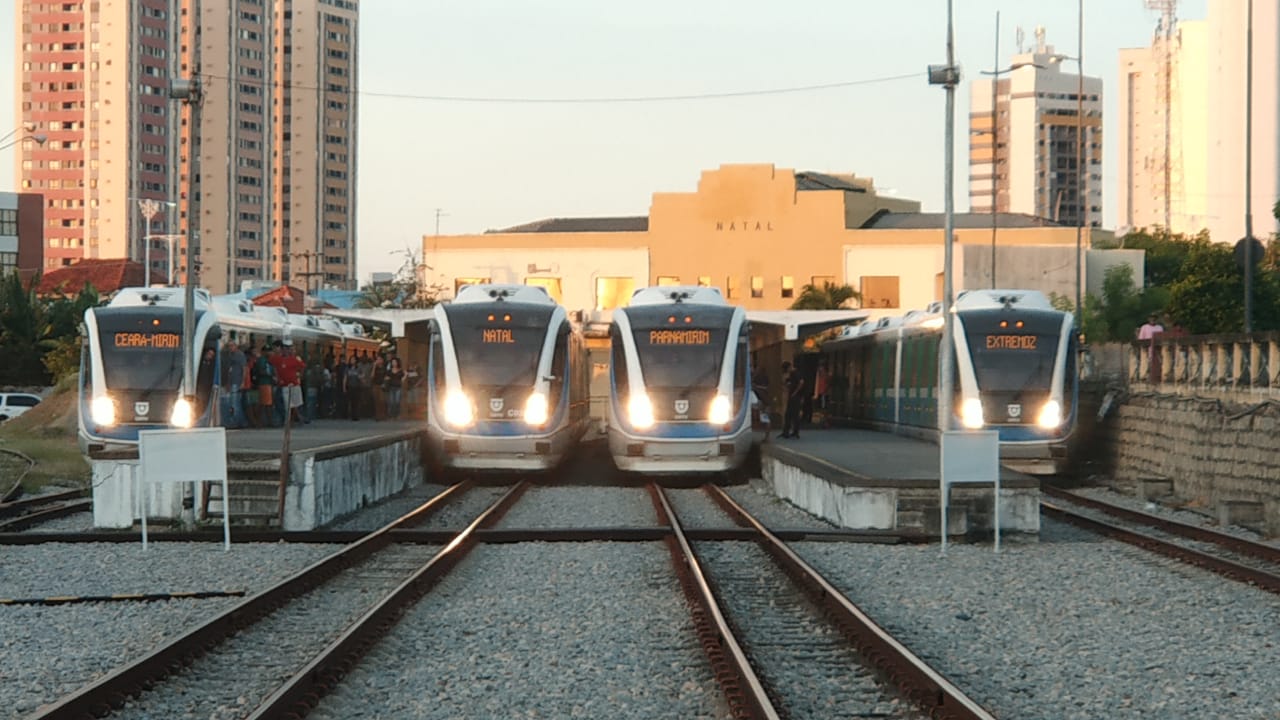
(1073, 626)
(537, 630)
(48, 651)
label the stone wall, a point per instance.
(328, 483)
(1214, 453)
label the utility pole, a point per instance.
(1082, 203)
(995, 151)
(1168, 17)
(948, 76)
(1248, 172)
(148, 208)
(439, 213)
(307, 275)
(189, 92)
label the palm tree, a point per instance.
(828, 297)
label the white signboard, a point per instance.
(970, 456)
(196, 456)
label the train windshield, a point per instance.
(680, 357)
(141, 351)
(497, 345)
(1012, 361)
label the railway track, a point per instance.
(1233, 557)
(261, 658)
(21, 514)
(207, 664)
(751, 670)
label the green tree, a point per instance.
(828, 297)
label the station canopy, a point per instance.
(799, 324)
(394, 319)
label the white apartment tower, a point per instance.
(1163, 171)
(1206, 135)
(1032, 162)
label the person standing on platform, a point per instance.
(249, 389)
(794, 384)
(1148, 332)
(264, 380)
(378, 383)
(351, 388)
(395, 388)
(289, 369)
(233, 362)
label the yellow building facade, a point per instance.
(760, 233)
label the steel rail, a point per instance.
(1258, 550)
(36, 517)
(742, 687)
(1254, 576)
(18, 507)
(502, 535)
(914, 678)
(112, 690)
(301, 693)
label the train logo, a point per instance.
(141, 408)
(1015, 411)
(495, 405)
(682, 407)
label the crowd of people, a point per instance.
(260, 385)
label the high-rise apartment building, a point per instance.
(278, 142)
(1027, 148)
(1163, 174)
(274, 190)
(92, 78)
(1199, 180)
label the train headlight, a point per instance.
(183, 415)
(103, 410)
(641, 411)
(971, 413)
(721, 410)
(1050, 415)
(535, 409)
(457, 409)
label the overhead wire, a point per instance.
(579, 100)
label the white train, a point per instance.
(1015, 373)
(132, 358)
(508, 381)
(680, 383)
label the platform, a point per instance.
(335, 467)
(862, 479)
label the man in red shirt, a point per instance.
(289, 369)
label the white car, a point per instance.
(14, 404)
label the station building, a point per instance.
(760, 234)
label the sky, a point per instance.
(488, 165)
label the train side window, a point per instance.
(740, 369)
(437, 366)
(559, 365)
(618, 363)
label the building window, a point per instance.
(757, 286)
(459, 283)
(614, 292)
(879, 291)
(8, 222)
(8, 263)
(704, 281)
(788, 286)
(731, 288)
(551, 284)
(668, 280)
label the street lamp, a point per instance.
(948, 76)
(188, 91)
(149, 208)
(39, 138)
(169, 239)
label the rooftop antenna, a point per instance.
(1020, 37)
